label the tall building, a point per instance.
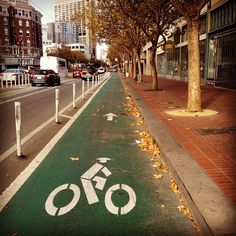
(21, 34)
(64, 10)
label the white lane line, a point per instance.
(30, 135)
(31, 94)
(25, 174)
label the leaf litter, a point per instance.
(146, 143)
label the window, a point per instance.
(6, 41)
(27, 13)
(6, 31)
(27, 23)
(5, 20)
(4, 10)
(20, 32)
(19, 12)
(27, 33)
(28, 43)
(20, 22)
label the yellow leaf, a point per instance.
(74, 158)
(159, 176)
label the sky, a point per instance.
(45, 7)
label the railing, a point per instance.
(20, 80)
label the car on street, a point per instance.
(77, 73)
(101, 70)
(88, 73)
(45, 77)
(13, 74)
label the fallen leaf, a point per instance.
(74, 158)
(159, 176)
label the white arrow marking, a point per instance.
(110, 116)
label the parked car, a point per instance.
(113, 69)
(101, 70)
(47, 77)
(9, 75)
(77, 73)
(88, 73)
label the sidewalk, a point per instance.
(208, 143)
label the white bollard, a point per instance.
(57, 105)
(18, 129)
(93, 78)
(87, 85)
(74, 106)
(83, 89)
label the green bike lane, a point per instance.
(73, 192)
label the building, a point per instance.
(217, 48)
(64, 11)
(21, 34)
(222, 43)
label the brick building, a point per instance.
(20, 34)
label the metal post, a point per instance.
(18, 129)
(74, 106)
(83, 89)
(57, 105)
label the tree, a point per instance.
(67, 54)
(153, 17)
(191, 11)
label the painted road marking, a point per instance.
(110, 116)
(87, 180)
(122, 210)
(49, 205)
(25, 174)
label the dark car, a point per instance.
(88, 73)
(47, 77)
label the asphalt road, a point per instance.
(37, 107)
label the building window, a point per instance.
(20, 22)
(20, 32)
(19, 12)
(6, 31)
(28, 43)
(5, 20)
(27, 13)
(6, 41)
(27, 23)
(27, 33)
(4, 10)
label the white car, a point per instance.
(101, 70)
(11, 74)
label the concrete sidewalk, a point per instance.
(200, 151)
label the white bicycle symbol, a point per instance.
(89, 189)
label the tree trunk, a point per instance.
(154, 70)
(133, 64)
(194, 78)
(140, 77)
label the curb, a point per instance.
(215, 214)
